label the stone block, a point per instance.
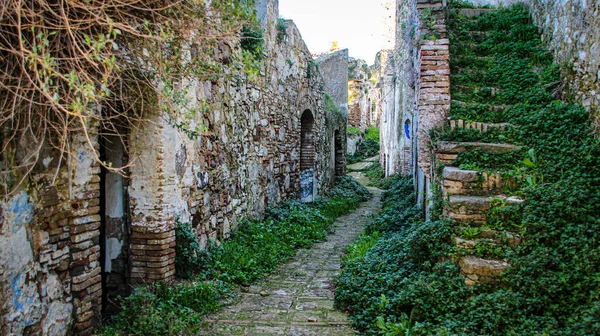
(456, 174)
(482, 267)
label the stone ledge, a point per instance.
(451, 147)
(482, 267)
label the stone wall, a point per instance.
(416, 91)
(70, 243)
(571, 29)
(362, 94)
(334, 67)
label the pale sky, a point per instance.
(362, 26)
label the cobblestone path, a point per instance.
(298, 300)
(354, 169)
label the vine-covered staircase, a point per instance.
(474, 189)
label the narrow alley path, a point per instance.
(298, 300)
(355, 169)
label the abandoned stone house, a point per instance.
(364, 95)
(416, 80)
(68, 247)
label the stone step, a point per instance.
(471, 210)
(487, 91)
(469, 244)
(499, 237)
(447, 151)
(454, 147)
(491, 108)
(475, 12)
(481, 127)
(479, 270)
(456, 181)
(471, 36)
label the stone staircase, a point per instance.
(469, 195)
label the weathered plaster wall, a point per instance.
(571, 28)
(49, 253)
(399, 91)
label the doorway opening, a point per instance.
(339, 155)
(114, 229)
(307, 156)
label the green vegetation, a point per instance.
(552, 286)
(354, 131)
(367, 148)
(376, 176)
(330, 105)
(372, 133)
(254, 250)
(281, 30)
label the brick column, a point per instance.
(153, 190)
(84, 224)
(433, 90)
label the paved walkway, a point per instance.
(298, 300)
(355, 169)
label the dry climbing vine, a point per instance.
(89, 67)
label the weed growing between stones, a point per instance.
(552, 286)
(254, 250)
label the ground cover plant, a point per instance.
(367, 148)
(254, 250)
(406, 282)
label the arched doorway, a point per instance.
(307, 156)
(339, 155)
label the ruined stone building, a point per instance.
(363, 94)
(416, 84)
(71, 243)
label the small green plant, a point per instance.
(405, 327)
(190, 259)
(281, 30)
(359, 248)
(353, 131)
(330, 105)
(470, 232)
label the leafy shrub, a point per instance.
(189, 258)
(372, 133)
(167, 310)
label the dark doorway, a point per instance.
(307, 156)
(114, 231)
(339, 155)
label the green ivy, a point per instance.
(552, 286)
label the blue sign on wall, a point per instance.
(407, 129)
